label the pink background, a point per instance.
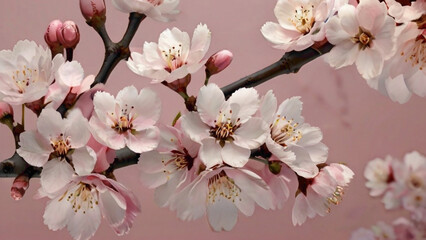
(358, 123)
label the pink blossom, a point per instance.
(300, 23)
(30, 71)
(220, 193)
(171, 166)
(218, 62)
(173, 57)
(226, 130)
(84, 199)
(68, 34)
(290, 140)
(127, 120)
(321, 192)
(363, 35)
(379, 174)
(50, 35)
(92, 8)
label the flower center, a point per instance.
(81, 199)
(416, 53)
(303, 18)
(173, 58)
(224, 128)
(284, 131)
(415, 182)
(221, 186)
(24, 78)
(363, 38)
(180, 160)
(61, 145)
(124, 121)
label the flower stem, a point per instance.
(23, 116)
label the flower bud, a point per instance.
(19, 186)
(68, 34)
(5, 109)
(93, 8)
(218, 62)
(50, 35)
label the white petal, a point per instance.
(251, 134)
(268, 107)
(209, 103)
(310, 135)
(234, 155)
(113, 207)
(70, 74)
(200, 43)
(57, 213)
(143, 141)
(397, 89)
(348, 20)
(210, 152)
(369, 63)
(104, 103)
(77, 129)
(84, 225)
(194, 127)
(84, 160)
(35, 149)
(343, 54)
(301, 210)
(222, 214)
(50, 123)
(55, 175)
(291, 108)
(248, 101)
(148, 108)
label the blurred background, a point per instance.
(358, 123)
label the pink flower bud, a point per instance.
(68, 34)
(219, 61)
(92, 8)
(19, 186)
(5, 109)
(50, 35)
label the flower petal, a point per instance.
(55, 175)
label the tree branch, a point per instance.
(291, 62)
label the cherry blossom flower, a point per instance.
(364, 234)
(300, 23)
(160, 10)
(404, 14)
(227, 129)
(127, 120)
(171, 165)
(173, 57)
(221, 193)
(79, 204)
(56, 137)
(405, 73)
(290, 140)
(278, 184)
(319, 193)
(379, 175)
(363, 35)
(26, 72)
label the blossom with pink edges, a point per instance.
(226, 129)
(127, 120)
(174, 57)
(160, 10)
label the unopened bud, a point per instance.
(218, 62)
(68, 34)
(93, 9)
(19, 186)
(5, 109)
(275, 167)
(50, 35)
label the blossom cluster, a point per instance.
(402, 185)
(223, 154)
(385, 40)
